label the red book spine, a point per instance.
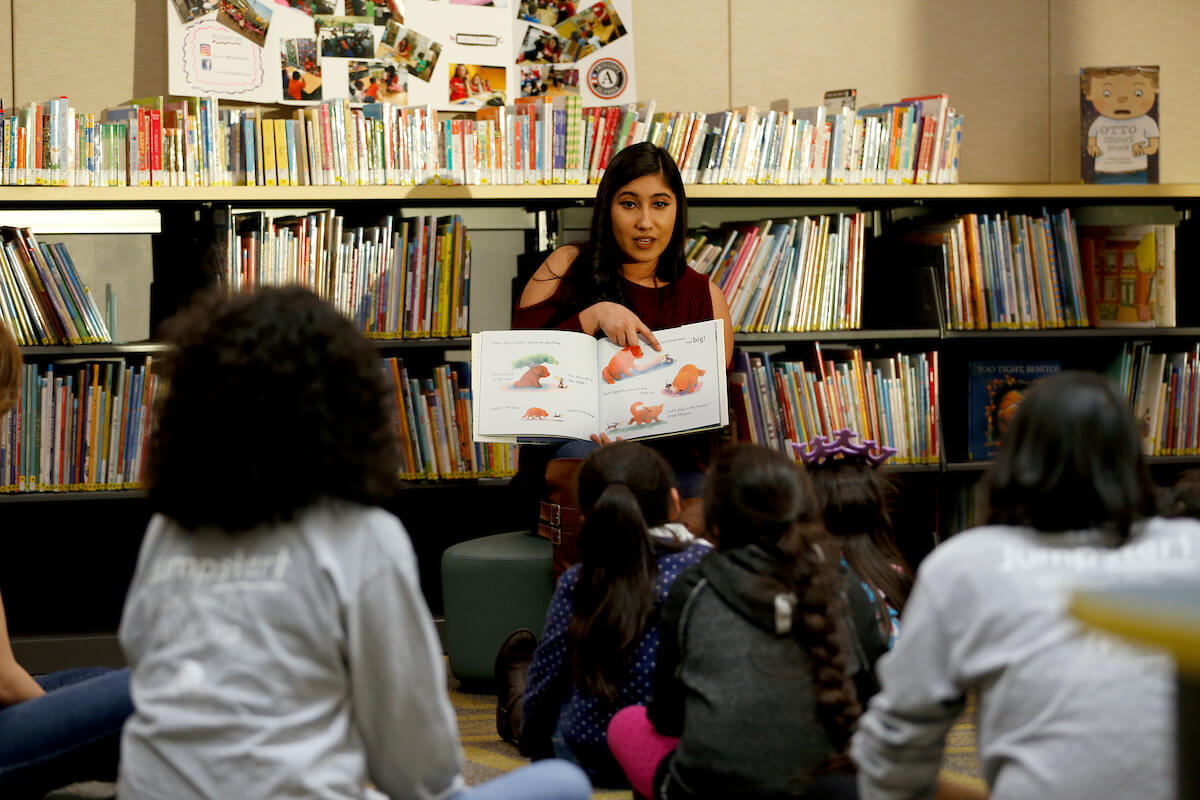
(610, 125)
(156, 164)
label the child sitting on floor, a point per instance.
(279, 642)
(855, 497)
(752, 670)
(598, 650)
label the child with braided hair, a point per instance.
(756, 649)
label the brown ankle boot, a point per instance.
(558, 517)
(511, 672)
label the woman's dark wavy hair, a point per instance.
(624, 490)
(856, 498)
(273, 402)
(757, 496)
(595, 275)
(1072, 460)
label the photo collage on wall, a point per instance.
(451, 54)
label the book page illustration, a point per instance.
(644, 392)
(535, 383)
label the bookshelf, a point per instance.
(102, 529)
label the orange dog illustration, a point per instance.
(644, 415)
(532, 377)
(536, 413)
(621, 365)
(686, 380)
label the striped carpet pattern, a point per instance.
(488, 756)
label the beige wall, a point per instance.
(1097, 33)
(1010, 67)
(99, 53)
(6, 61)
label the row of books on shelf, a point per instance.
(84, 426)
(890, 401)
(159, 141)
(42, 297)
(1164, 392)
(1020, 271)
(80, 426)
(434, 426)
(406, 277)
(801, 274)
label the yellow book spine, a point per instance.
(282, 169)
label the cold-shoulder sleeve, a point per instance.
(552, 312)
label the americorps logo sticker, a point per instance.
(607, 78)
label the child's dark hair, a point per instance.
(1072, 460)
(1183, 498)
(274, 402)
(757, 496)
(624, 490)
(855, 497)
(596, 273)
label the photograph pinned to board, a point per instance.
(540, 46)
(301, 69)
(250, 18)
(194, 9)
(549, 80)
(375, 81)
(594, 27)
(413, 51)
(308, 7)
(345, 37)
(547, 13)
(477, 85)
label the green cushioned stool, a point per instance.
(490, 588)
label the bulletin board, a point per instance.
(451, 54)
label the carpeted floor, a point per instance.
(487, 756)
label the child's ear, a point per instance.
(674, 506)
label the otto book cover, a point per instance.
(994, 392)
(1118, 123)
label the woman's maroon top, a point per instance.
(685, 301)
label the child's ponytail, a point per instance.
(624, 490)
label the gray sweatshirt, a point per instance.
(290, 661)
(1064, 711)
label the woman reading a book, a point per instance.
(1064, 711)
(60, 728)
(628, 280)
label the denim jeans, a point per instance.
(542, 780)
(70, 734)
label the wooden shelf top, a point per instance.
(261, 195)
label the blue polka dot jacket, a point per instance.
(555, 706)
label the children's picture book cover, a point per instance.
(994, 392)
(535, 385)
(1118, 123)
(1120, 265)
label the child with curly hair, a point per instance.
(279, 642)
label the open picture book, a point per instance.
(540, 385)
